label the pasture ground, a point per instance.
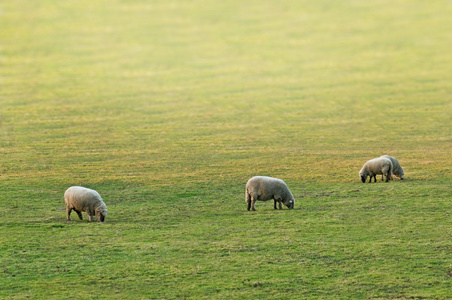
(166, 108)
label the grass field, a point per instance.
(167, 108)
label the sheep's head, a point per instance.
(289, 203)
(101, 213)
(363, 178)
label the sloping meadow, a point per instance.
(167, 109)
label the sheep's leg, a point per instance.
(252, 201)
(79, 213)
(90, 218)
(279, 200)
(387, 176)
(248, 200)
(68, 211)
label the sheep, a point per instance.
(264, 188)
(397, 169)
(83, 199)
(380, 165)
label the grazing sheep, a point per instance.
(264, 188)
(397, 169)
(83, 199)
(373, 167)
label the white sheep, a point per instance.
(397, 169)
(264, 188)
(373, 167)
(83, 199)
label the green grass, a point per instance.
(167, 108)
